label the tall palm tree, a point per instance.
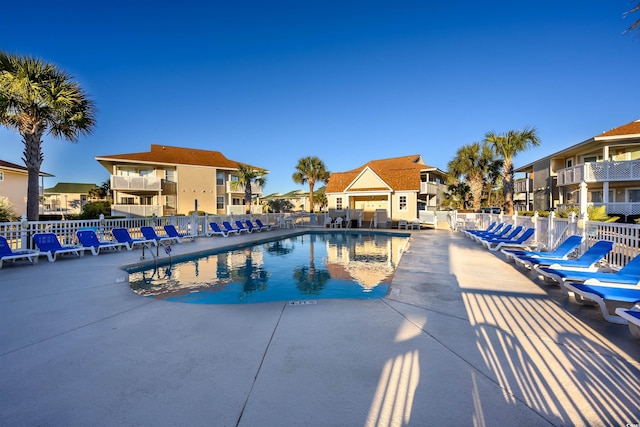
(636, 24)
(311, 170)
(37, 97)
(507, 146)
(247, 176)
(473, 162)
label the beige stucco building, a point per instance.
(400, 186)
(14, 182)
(66, 198)
(172, 180)
(602, 170)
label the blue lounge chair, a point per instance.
(7, 254)
(518, 242)
(172, 232)
(149, 233)
(49, 245)
(216, 230)
(264, 226)
(508, 236)
(122, 236)
(632, 316)
(627, 275)
(497, 235)
(587, 261)
(469, 231)
(89, 239)
(240, 226)
(497, 229)
(252, 227)
(229, 228)
(608, 297)
(562, 252)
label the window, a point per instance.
(569, 163)
(146, 200)
(127, 200)
(594, 197)
(591, 159)
(220, 203)
(1, 176)
(402, 203)
(236, 201)
(220, 179)
(338, 202)
(170, 175)
(633, 195)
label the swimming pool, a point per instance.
(298, 268)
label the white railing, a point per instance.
(18, 234)
(136, 210)
(146, 183)
(628, 170)
(552, 231)
(432, 188)
(236, 188)
(612, 209)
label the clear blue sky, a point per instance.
(270, 82)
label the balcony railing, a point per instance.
(600, 172)
(624, 208)
(146, 183)
(255, 188)
(432, 188)
(136, 210)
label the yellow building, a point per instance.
(14, 182)
(67, 197)
(399, 187)
(173, 180)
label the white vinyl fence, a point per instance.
(552, 231)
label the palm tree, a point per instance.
(248, 175)
(473, 162)
(636, 24)
(37, 98)
(311, 169)
(508, 145)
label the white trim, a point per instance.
(367, 168)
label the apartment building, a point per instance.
(602, 170)
(174, 180)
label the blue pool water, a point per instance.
(302, 267)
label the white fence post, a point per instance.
(550, 227)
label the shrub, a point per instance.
(7, 214)
(93, 210)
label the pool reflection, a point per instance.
(331, 265)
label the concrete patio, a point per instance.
(462, 339)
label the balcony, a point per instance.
(432, 188)
(136, 183)
(624, 208)
(522, 185)
(600, 172)
(136, 210)
(255, 188)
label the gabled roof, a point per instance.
(399, 173)
(622, 133)
(167, 155)
(630, 130)
(70, 188)
(18, 168)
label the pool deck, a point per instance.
(463, 338)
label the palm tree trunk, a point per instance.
(32, 160)
(247, 198)
(508, 187)
(311, 197)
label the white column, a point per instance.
(605, 153)
(583, 199)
